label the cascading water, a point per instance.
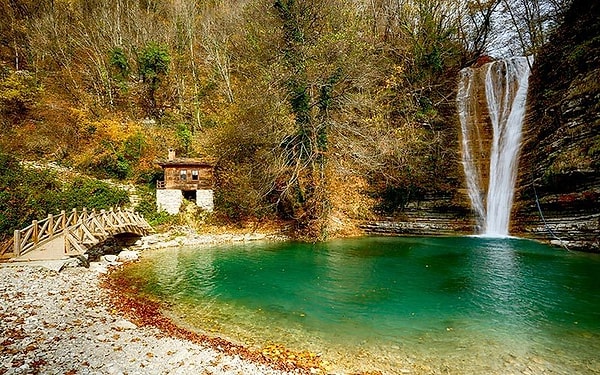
(491, 136)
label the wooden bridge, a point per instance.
(71, 234)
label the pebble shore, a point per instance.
(184, 237)
(62, 323)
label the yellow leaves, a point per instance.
(106, 129)
(113, 144)
(475, 6)
(79, 115)
(391, 81)
(114, 130)
(409, 132)
(18, 91)
(395, 79)
(69, 3)
(399, 69)
(304, 359)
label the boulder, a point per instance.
(109, 258)
(128, 256)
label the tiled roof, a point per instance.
(206, 162)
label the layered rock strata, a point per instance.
(559, 176)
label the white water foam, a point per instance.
(506, 83)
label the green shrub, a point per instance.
(19, 91)
(28, 194)
(184, 136)
(90, 193)
(148, 209)
(153, 63)
(113, 166)
(119, 64)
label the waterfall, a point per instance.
(491, 107)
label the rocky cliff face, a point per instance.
(432, 215)
(560, 159)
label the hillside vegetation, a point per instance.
(30, 194)
(312, 108)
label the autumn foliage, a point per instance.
(287, 95)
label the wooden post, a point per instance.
(74, 217)
(84, 214)
(63, 215)
(35, 233)
(17, 243)
(50, 224)
(66, 240)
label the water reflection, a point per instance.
(497, 275)
(177, 269)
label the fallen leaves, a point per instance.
(125, 297)
(304, 359)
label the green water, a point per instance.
(399, 305)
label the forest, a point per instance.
(313, 109)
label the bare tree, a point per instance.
(531, 21)
(217, 28)
(476, 27)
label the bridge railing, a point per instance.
(5, 247)
(40, 231)
(78, 227)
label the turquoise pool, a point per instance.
(399, 305)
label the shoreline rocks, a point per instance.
(61, 322)
(181, 236)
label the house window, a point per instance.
(195, 175)
(183, 175)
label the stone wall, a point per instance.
(205, 199)
(169, 200)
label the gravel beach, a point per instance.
(62, 323)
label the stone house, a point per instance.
(185, 178)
